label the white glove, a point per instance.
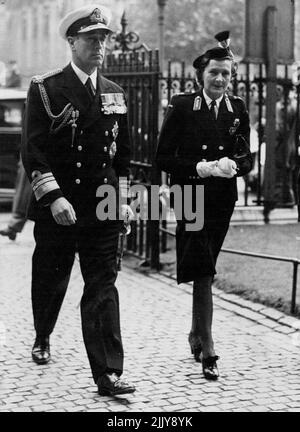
(205, 169)
(225, 168)
(219, 173)
(227, 165)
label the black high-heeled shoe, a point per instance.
(196, 349)
(210, 368)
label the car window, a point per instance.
(10, 114)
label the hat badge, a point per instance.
(97, 17)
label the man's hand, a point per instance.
(205, 169)
(126, 213)
(63, 212)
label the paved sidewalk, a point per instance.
(259, 350)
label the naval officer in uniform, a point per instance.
(75, 140)
(204, 140)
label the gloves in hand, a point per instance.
(205, 169)
(225, 168)
(227, 165)
(219, 173)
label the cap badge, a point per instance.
(97, 17)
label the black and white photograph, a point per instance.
(149, 209)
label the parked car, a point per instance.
(11, 112)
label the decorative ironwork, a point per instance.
(125, 41)
(137, 72)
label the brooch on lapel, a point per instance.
(113, 147)
(115, 130)
(197, 103)
(113, 103)
(233, 128)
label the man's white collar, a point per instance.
(84, 76)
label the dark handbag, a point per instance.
(242, 155)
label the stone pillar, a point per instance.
(297, 30)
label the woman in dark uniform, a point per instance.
(204, 140)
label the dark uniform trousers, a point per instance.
(72, 162)
(53, 259)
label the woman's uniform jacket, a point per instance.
(190, 134)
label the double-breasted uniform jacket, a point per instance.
(73, 143)
(190, 134)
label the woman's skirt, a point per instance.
(197, 251)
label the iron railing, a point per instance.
(137, 72)
(293, 261)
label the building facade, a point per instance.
(29, 33)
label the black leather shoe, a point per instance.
(210, 368)
(8, 232)
(196, 348)
(41, 350)
(112, 385)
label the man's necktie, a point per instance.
(213, 109)
(90, 88)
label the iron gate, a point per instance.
(138, 74)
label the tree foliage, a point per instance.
(190, 25)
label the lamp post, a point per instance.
(161, 24)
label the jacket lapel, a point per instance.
(225, 118)
(75, 91)
(204, 120)
(95, 111)
(203, 117)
